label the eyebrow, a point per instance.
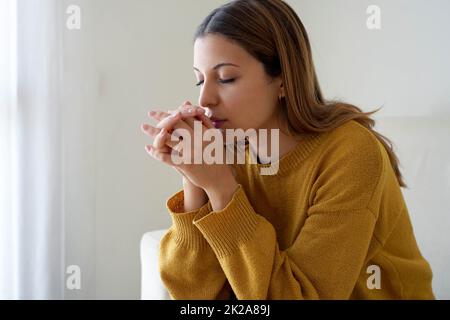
(220, 65)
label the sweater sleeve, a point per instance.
(188, 267)
(326, 258)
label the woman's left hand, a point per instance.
(217, 180)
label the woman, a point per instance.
(330, 224)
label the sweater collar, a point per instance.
(290, 160)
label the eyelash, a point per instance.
(221, 81)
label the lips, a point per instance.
(217, 122)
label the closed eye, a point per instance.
(221, 81)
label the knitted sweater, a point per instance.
(331, 224)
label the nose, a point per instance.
(208, 98)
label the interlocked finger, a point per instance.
(165, 142)
(160, 156)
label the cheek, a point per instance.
(246, 95)
(237, 101)
(248, 104)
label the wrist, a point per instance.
(194, 197)
(221, 195)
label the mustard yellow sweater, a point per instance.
(332, 224)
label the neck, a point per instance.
(267, 148)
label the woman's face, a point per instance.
(239, 92)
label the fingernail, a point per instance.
(148, 148)
(145, 127)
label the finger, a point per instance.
(153, 132)
(165, 149)
(150, 130)
(173, 141)
(161, 115)
(166, 140)
(199, 114)
(170, 137)
(190, 114)
(206, 121)
(191, 111)
(158, 115)
(160, 139)
(164, 157)
(170, 121)
(186, 115)
(175, 122)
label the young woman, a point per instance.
(330, 224)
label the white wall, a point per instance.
(404, 66)
(127, 57)
(80, 155)
(131, 56)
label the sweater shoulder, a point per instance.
(351, 167)
(351, 134)
(354, 142)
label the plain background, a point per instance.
(133, 56)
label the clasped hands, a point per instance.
(217, 180)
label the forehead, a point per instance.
(213, 49)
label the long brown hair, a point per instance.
(272, 33)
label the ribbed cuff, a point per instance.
(185, 233)
(224, 230)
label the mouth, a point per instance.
(218, 123)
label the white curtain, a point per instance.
(31, 151)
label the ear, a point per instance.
(282, 93)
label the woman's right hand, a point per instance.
(194, 197)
